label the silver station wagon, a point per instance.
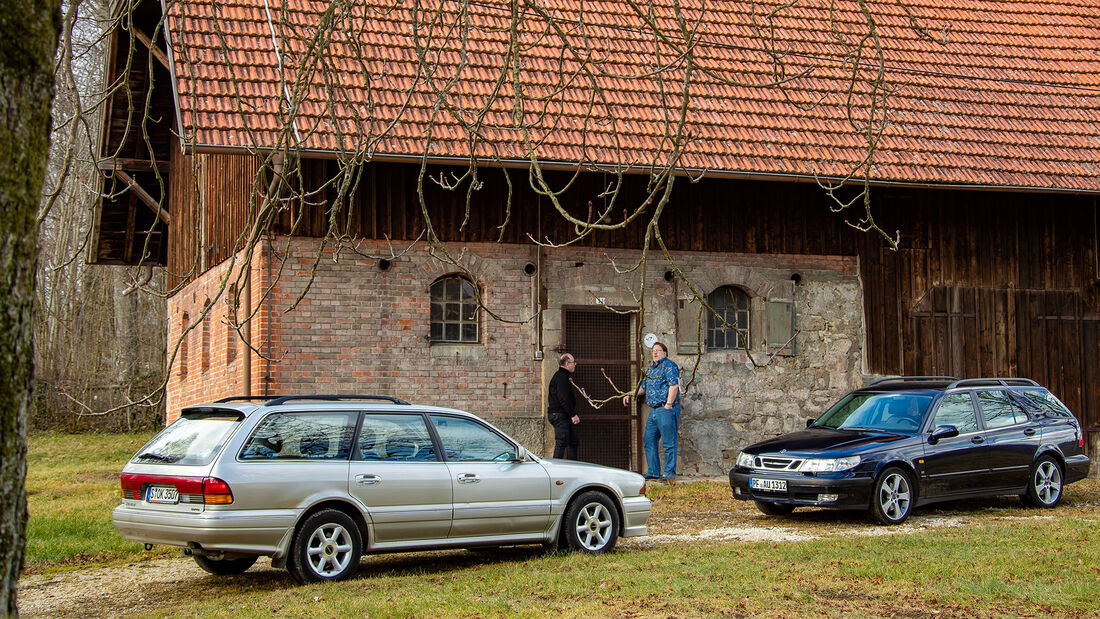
(315, 482)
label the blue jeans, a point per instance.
(663, 423)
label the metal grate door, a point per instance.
(600, 340)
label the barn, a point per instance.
(436, 202)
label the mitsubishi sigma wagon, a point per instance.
(315, 482)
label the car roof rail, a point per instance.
(334, 398)
(908, 379)
(1003, 382)
(242, 398)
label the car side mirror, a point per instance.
(810, 421)
(942, 432)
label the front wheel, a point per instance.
(774, 509)
(224, 567)
(892, 500)
(326, 547)
(591, 523)
(1044, 487)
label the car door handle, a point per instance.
(1030, 431)
(468, 478)
(368, 480)
(977, 440)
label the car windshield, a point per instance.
(194, 439)
(887, 412)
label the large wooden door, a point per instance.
(600, 340)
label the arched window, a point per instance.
(454, 310)
(732, 304)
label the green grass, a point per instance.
(1002, 560)
(973, 571)
(72, 486)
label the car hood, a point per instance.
(833, 442)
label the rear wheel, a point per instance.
(326, 547)
(1044, 487)
(892, 500)
(591, 523)
(224, 567)
(774, 509)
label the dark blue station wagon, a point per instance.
(904, 442)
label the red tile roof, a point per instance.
(1012, 99)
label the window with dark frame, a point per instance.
(454, 310)
(732, 305)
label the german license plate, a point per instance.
(774, 485)
(162, 494)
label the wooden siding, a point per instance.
(212, 194)
(986, 283)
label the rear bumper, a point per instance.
(1077, 468)
(851, 490)
(636, 512)
(252, 532)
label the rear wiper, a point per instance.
(155, 456)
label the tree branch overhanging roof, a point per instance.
(975, 92)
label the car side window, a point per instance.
(301, 436)
(1046, 402)
(395, 438)
(998, 409)
(465, 440)
(956, 409)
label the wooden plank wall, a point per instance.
(986, 283)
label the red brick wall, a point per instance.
(209, 359)
(363, 330)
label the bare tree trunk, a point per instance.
(28, 40)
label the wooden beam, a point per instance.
(129, 165)
(156, 51)
(144, 196)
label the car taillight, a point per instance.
(1081, 441)
(216, 492)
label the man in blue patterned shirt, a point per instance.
(661, 388)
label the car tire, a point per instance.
(326, 547)
(1044, 483)
(893, 496)
(774, 509)
(224, 567)
(591, 523)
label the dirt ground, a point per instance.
(128, 588)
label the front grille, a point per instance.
(777, 463)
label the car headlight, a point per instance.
(745, 460)
(828, 465)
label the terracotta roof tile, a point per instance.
(1012, 99)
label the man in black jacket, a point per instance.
(561, 409)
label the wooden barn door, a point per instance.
(1051, 336)
(601, 342)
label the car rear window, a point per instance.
(193, 439)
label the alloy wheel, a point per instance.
(894, 496)
(594, 526)
(1048, 482)
(330, 550)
